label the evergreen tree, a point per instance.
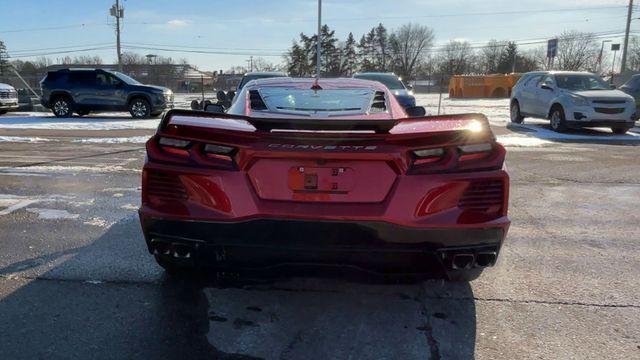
(4, 61)
(381, 48)
(349, 56)
(507, 58)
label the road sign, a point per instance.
(552, 48)
(615, 47)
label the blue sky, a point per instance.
(268, 27)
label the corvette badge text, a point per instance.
(321, 147)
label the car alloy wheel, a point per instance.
(556, 120)
(515, 113)
(139, 109)
(61, 107)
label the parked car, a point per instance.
(8, 98)
(632, 87)
(394, 83)
(572, 100)
(96, 90)
(331, 172)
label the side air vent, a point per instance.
(165, 186)
(379, 103)
(483, 196)
(256, 100)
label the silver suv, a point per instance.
(8, 98)
(572, 99)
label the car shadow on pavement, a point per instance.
(108, 299)
(542, 130)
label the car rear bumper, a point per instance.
(377, 247)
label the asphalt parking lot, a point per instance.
(76, 280)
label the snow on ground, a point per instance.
(107, 121)
(113, 140)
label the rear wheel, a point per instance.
(516, 116)
(620, 130)
(558, 121)
(464, 275)
(139, 108)
(61, 107)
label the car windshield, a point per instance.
(126, 78)
(304, 100)
(581, 82)
(390, 81)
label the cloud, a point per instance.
(177, 23)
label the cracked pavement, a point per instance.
(78, 283)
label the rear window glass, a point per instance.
(302, 100)
(392, 82)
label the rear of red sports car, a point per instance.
(329, 173)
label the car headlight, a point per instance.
(579, 100)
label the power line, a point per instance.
(50, 28)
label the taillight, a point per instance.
(173, 146)
(474, 151)
(468, 157)
(189, 152)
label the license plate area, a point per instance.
(327, 179)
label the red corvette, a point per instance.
(333, 173)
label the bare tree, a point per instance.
(409, 44)
(489, 57)
(576, 51)
(633, 59)
(456, 58)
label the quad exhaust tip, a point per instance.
(484, 259)
(468, 260)
(462, 261)
(177, 250)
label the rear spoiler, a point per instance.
(426, 124)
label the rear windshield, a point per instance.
(303, 100)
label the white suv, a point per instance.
(8, 98)
(572, 100)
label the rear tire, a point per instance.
(558, 120)
(516, 116)
(620, 130)
(61, 107)
(139, 108)
(464, 275)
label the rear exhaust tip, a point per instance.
(462, 261)
(181, 251)
(484, 259)
(160, 247)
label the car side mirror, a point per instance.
(409, 87)
(230, 95)
(214, 108)
(546, 86)
(221, 96)
(416, 111)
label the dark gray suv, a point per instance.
(96, 90)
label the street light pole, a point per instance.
(319, 38)
(623, 65)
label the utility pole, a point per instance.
(118, 12)
(251, 63)
(623, 65)
(319, 39)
